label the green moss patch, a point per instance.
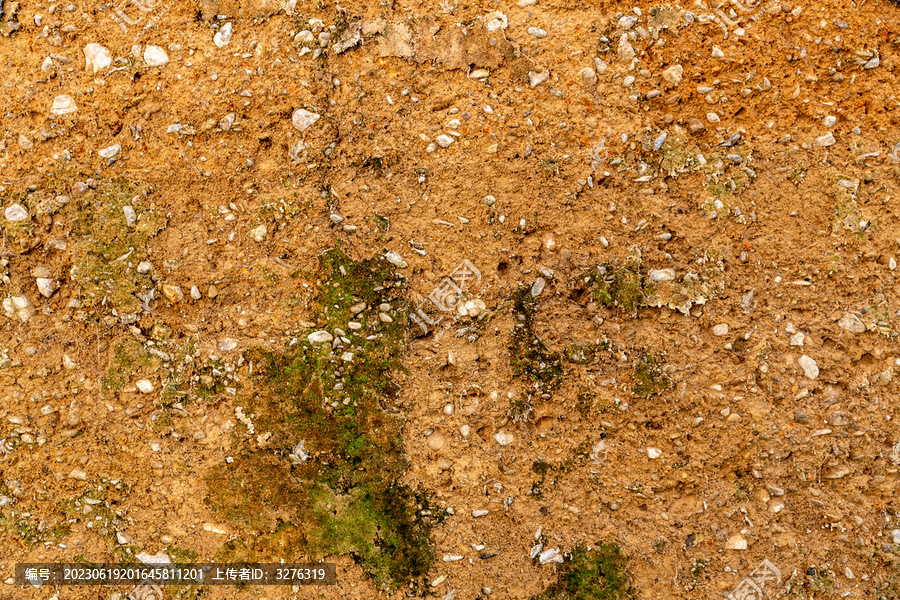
(320, 473)
(529, 356)
(648, 377)
(129, 359)
(107, 251)
(591, 574)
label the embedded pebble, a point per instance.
(495, 20)
(537, 32)
(536, 78)
(654, 453)
(550, 556)
(825, 140)
(504, 438)
(673, 75)
(223, 36)
(302, 119)
(130, 216)
(110, 151)
(395, 259)
(18, 306)
(317, 337)
(720, 329)
(838, 418)
(625, 50)
(145, 386)
(829, 121)
(809, 366)
(96, 57)
(472, 308)
(78, 475)
(227, 345)
(538, 286)
(627, 22)
(63, 105)
(15, 212)
(658, 275)
(444, 140)
(436, 441)
(589, 77)
(46, 286)
(479, 513)
(173, 293)
(258, 233)
(850, 322)
(736, 542)
(155, 56)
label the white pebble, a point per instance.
(395, 259)
(504, 438)
(96, 57)
(825, 140)
(15, 212)
(809, 366)
(155, 56)
(130, 216)
(63, 105)
(258, 233)
(317, 337)
(144, 385)
(302, 119)
(110, 151)
(536, 78)
(223, 36)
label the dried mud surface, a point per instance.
(658, 243)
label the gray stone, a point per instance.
(444, 140)
(318, 337)
(825, 140)
(395, 259)
(110, 151)
(850, 322)
(809, 366)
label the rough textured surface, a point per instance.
(625, 180)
